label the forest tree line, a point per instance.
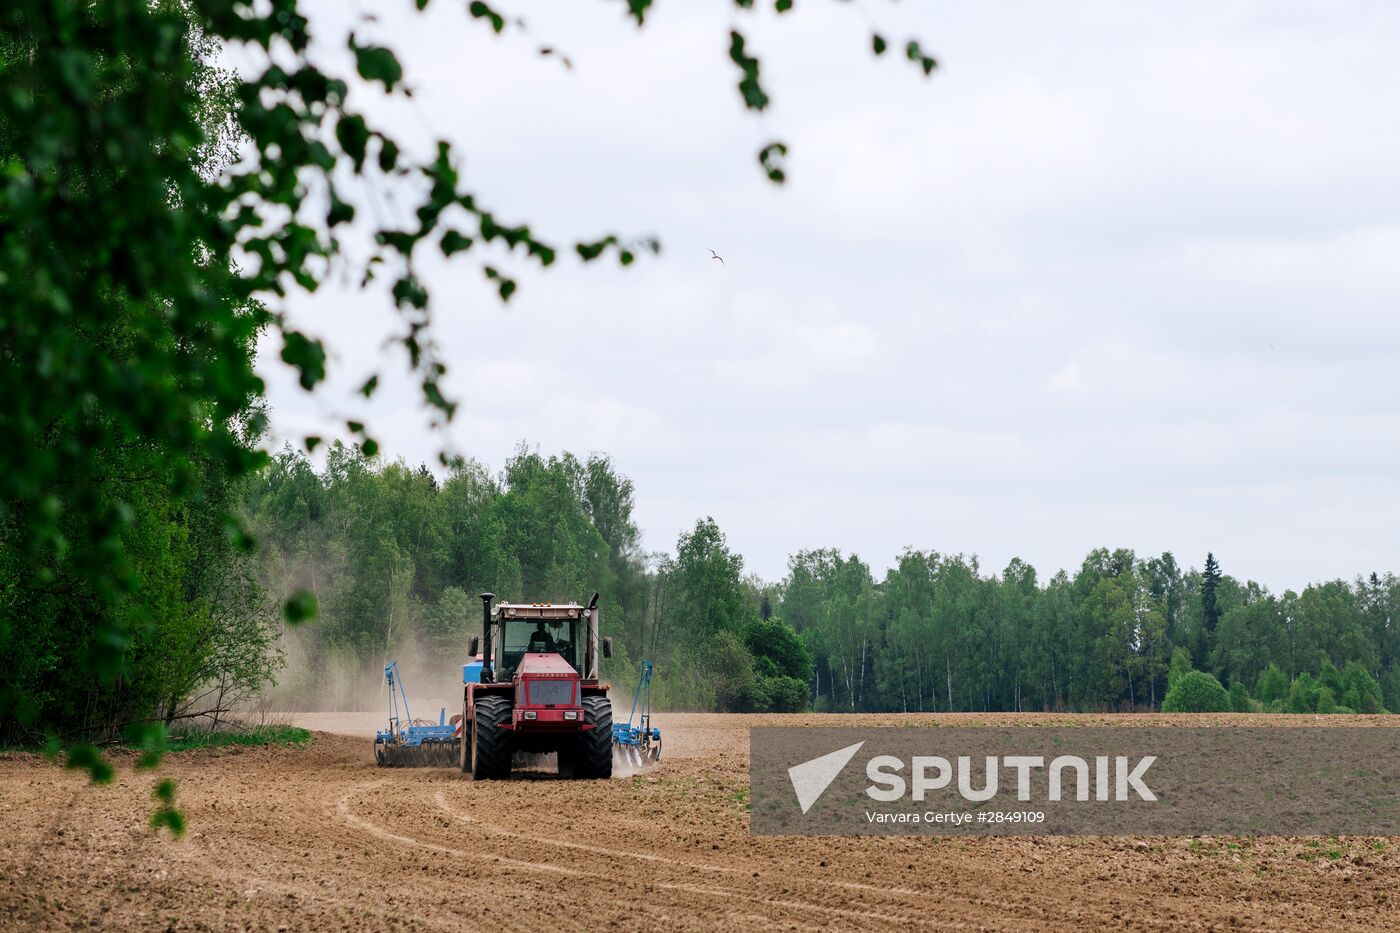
(396, 556)
(938, 634)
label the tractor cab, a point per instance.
(515, 632)
(538, 635)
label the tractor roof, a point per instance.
(536, 611)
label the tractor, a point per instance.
(537, 690)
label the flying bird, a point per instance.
(715, 255)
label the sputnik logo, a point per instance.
(811, 778)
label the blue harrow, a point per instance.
(638, 744)
(410, 742)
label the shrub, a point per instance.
(777, 650)
(1360, 691)
(785, 694)
(1302, 696)
(1272, 687)
(1331, 678)
(737, 689)
(1196, 692)
(1239, 698)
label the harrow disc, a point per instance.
(424, 755)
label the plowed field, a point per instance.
(320, 839)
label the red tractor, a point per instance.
(538, 690)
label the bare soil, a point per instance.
(320, 839)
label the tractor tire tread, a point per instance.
(492, 751)
(592, 758)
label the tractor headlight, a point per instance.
(570, 714)
(529, 714)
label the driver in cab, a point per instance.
(541, 642)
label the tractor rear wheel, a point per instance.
(592, 757)
(491, 746)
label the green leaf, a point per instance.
(749, 87)
(375, 63)
(238, 536)
(409, 292)
(388, 154)
(435, 398)
(307, 355)
(312, 442)
(915, 54)
(878, 43)
(370, 385)
(353, 135)
(504, 285)
(771, 158)
(151, 738)
(87, 758)
(339, 213)
(453, 242)
(300, 607)
(782, 6)
(479, 10)
(591, 251)
(169, 818)
(638, 10)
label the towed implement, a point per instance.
(410, 742)
(639, 744)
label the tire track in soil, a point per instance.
(969, 886)
(724, 894)
(219, 872)
(441, 800)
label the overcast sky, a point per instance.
(1118, 275)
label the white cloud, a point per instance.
(1115, 275)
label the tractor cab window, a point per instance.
(537, 636)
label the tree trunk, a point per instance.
(948, 668)
(850, 691)
(919, 674)
(861, 680)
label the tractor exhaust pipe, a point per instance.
(487, 675)
(590, 659)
